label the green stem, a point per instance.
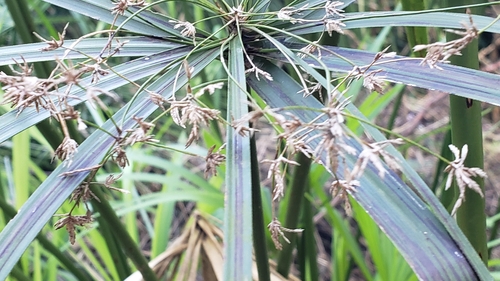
(119, 260)
(126, 242)
(415, 35)
(259, 231)
(494, 228)
(298, 188)
(394, 113)
(466, 127)
(310, 271)
(18, 274)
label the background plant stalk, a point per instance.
(466, 127)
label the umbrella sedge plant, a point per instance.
(272, 71)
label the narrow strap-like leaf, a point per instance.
(46, 200)
(101, 10)
(238, 210)
(408, 222)
(89, 47)
(12, 123)
(401, 18)
(465, 82)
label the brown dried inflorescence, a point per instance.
(188, 111)
(24, 90)
(213, 160)
(83, 194)
(441, 52)
(67, 150)
(70, 221)
(122, 5)
(53, 44)
(372, 153)
(139, 134)
(188, 29)
(119, 156)
(277, 231)
(462, 175)
(278, 175)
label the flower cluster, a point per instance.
(331, 18)
(188, 111)
(462, 175)
(439, 52)
(70, 221)
(122, 5)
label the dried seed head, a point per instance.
(122, 5)
(188, 29)
(110, 180)
(24, 91)
(298, 144)
(334, 25)
(278, 175)
(342, 188)
(258, 72)
(372, 82)
(120, 157)
(69, 113)
(286, 13)
(277, 231)
(213, 160)
(83, 194)
(462, 175)
(209, 88)
(239, 14)
(66, 151)
(331, 8)
(187, 111)
(70, 221)
(332, 136)
(157, 99)
(53, 44)
(309, 49)
(96, 70)
(372, 153)
(289, 125)
(441, 52)
(140, 134)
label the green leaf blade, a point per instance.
(12, 123)
(101, 10)
(238, 208)
(89, 47)
(401, 18)
(465, 82)
(408, 222)
(46, 200)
